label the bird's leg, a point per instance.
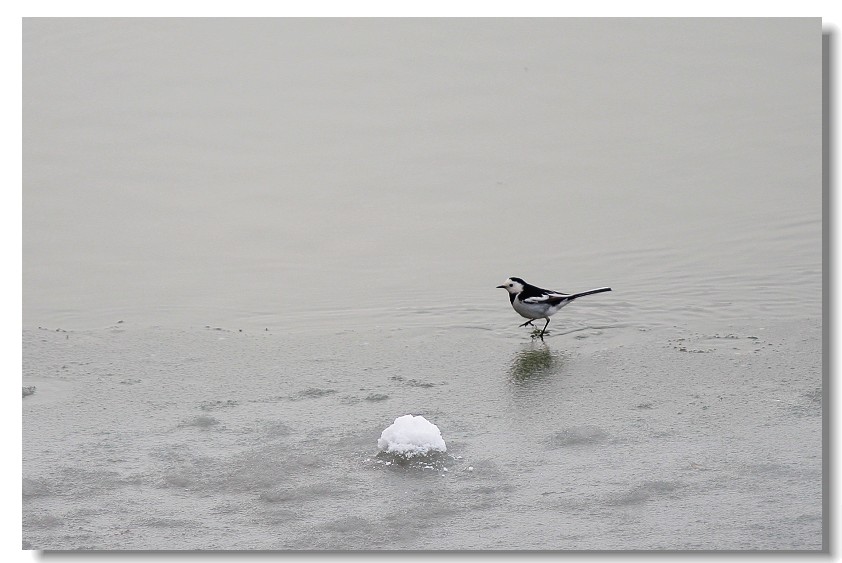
(545, 328)
(527, 323)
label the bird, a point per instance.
(533, 303)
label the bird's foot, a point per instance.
(527, 323)
(537, 333)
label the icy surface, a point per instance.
(411, 436)
(175, 439)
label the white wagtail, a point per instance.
(533, 303)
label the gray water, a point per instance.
(250, 245)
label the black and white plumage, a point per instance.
(534, 303)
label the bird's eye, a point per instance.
(511, 285)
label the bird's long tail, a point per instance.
(591, 292)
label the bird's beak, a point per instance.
(501, 287)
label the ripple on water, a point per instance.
(312, 393)
(577, 436)
(201, 421)
(644, 492)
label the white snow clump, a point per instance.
(411, 436)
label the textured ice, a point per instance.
(411, 436)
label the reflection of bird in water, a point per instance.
(532, 361)
(534, 303)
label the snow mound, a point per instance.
(411, 436)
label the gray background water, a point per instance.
(249, 245)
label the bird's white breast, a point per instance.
(536, 310)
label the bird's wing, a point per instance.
(547, 297)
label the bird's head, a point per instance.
(513, 285)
